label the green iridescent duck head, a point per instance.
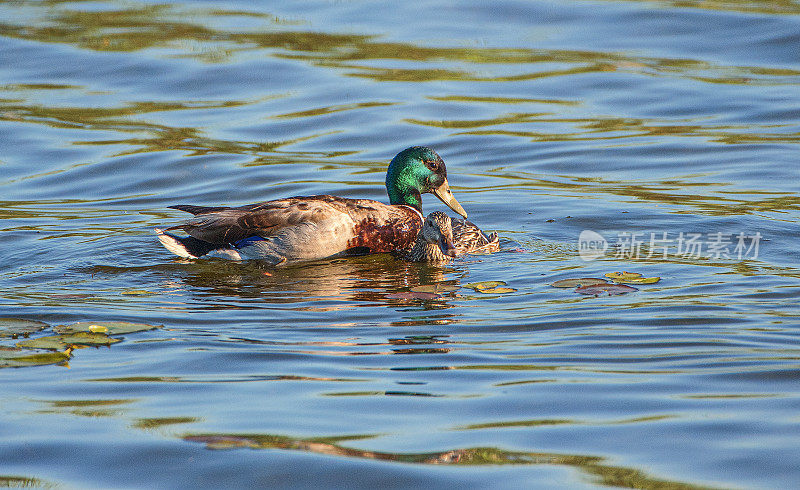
(415, 171)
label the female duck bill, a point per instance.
(447, 246)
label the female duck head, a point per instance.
(435, 242)
(415, 171)
(437, 230)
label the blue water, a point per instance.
(619, 117)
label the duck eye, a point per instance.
(433, 165)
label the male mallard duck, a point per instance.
(443, 238)
(297, 229)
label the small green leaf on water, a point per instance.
(622, 275)
(52, 342)
(576, 283)
(610, 289)
(484, 285)
(639, 280)
(435, 288)
(631, 278)
(59, 342)
(110, 328)
(497, 290)
(13, 357)
(14, 327)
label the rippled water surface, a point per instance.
(620, 117)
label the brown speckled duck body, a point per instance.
(469, 239)
(297, 229)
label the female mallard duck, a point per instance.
(298, 229)
(469, 239)
(435, 242)
(443, 238)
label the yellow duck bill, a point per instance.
(444, 195)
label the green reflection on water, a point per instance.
(602, 473)
(601, 128)
(166, 27)
(218, 379)
(159, 422)
(501, 100)
(331, 109)
(551, 422)
(8, 481)
(120, 119)
(771, 7)
(703, 197)
(89, 403)
(517, 423)
(88, 408)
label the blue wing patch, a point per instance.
(245, 242)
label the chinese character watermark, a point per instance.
(662, 245)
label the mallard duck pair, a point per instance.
(297, 229)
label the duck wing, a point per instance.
(308, 226)
(221, 225)
(468, 238)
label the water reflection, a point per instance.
(771, 7)
(161, 137)
(88, 408)
(152, 423)
(349, 283)
(602, 472)
(223, 106)
(704, 197)
(605, 128)
(162, 26)
(249, 378)
(9, 481)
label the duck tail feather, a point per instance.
(195, 210)
(187, 247)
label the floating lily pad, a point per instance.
(435, 288)
(484, 285)
(412, 295)
(576, 283)
(610, 289)
(622, 275)
(14, 327)
(639, 280)
(14, 357)
(60, 342)
(110, 328)
(631, 278)
(497, 290)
